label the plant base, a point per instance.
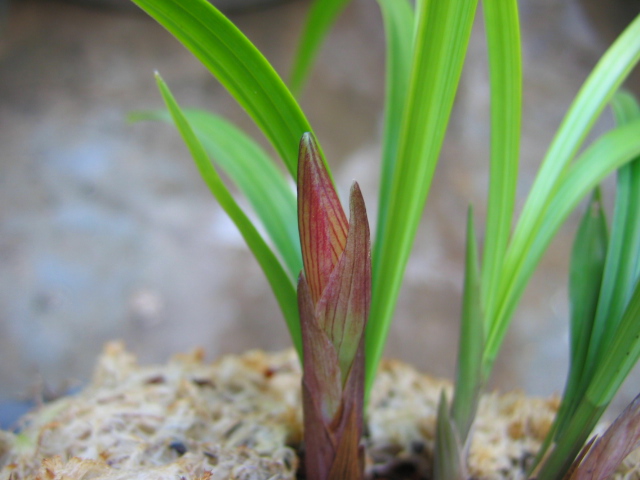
(239, 418)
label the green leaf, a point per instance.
(469, 379)
(448, 460)
(239, 66)
(321, 17)
(441, 41)
(594, 95)
(622, 257)
(505, 68)
(601, 281)
(585, 280)
(619, 359)
(251, 169)
(610, 152)
(612, 370)
(553, 176)
(276, 275)
(399, 19)
(569, 444)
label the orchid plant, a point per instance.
(337, 333)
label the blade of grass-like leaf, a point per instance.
(254, 173)
(610, 152)
(448, 461)
(619, 275)
(605, 79)
(239, 66)
(596, 92)
(569, 445)
(620, 358)
(321, 17)
(613, 369)
(585, 280)
(440, 46)
(281, 285)
(505, 67)
(626, 108)
(594, 288)
(468, 376)
(399, 18)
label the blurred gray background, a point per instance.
(107, 231)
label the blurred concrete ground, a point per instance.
(107, 232)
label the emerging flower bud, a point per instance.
(334, 293)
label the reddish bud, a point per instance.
(334, 293)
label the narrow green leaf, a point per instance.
(585, 279)
(441, 41)
(469, 379)
(620, 358)
(448, 461)
(399, 19)
(321, 17)
(505, 68)
(599, 88)
(622, 256)
(569, 445)
(278, 280)
(602, 275)
(597, 91)
(610, 152)
(612, 370)
(239, 66)
(626, 108)
(253, 172)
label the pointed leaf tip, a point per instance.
(321, 220)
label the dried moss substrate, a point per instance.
(239, 418)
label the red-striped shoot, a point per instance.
(334, 294)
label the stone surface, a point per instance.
(106, 230)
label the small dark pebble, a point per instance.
(234, 428)
(415, 466)
(157, 380)
(418, 447)
(179, 447)
(203, 382)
